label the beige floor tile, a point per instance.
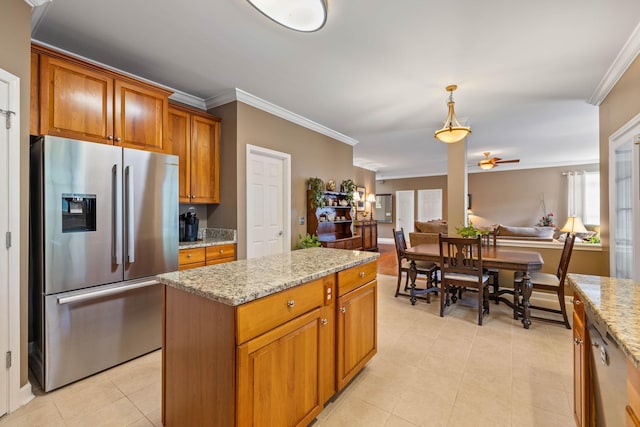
(119, 413)
(429, 371)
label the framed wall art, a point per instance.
(360, 204)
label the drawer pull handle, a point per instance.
(291, 303)
(343, 309)
(189, 255)
(362, 274)
(578, 341)
(323, 321)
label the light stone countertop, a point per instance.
(238, 282)
(212, 237)
(616, 302)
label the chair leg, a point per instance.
(398, 286)
(444, 299)
(480, 305)
(496, 286)
(563, 308)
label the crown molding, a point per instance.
(185, 98)
(259, 103)
(625, 57)
(38, 10)
(36, 3)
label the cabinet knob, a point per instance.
(343, 309)
(578, 341)
(193, 197)
(189, 255)
(118, 139)
(110, 137)
(323, 321)
(291, 303)
(577, 302)
(221, 251)
(362, 274)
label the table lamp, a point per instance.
(574, 225)
(371, 198)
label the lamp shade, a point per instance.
(574, 225)
(299, 15)
(371, 198)
(356, 196)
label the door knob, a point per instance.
(280, 233)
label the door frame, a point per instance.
(254, 150)
(629, 132)
(17, 396)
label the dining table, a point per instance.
(493, 257)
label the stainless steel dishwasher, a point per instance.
(609, 373)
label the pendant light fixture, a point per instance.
(452, 131)
(298, 15)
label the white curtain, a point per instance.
(584, 196)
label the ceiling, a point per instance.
(377, 71)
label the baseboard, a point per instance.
(23, 397)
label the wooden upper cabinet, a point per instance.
(83, 101)
(34, 112)
(205, 160)
(178, 142)
(194, 137)
(75, 102)
(139, 116)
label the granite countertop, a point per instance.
(238, 282)
(616, 302)
(212, 237)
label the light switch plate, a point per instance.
(301, 222)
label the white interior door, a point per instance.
(405, 211)
(268, 202)
(624, 201)
(10, 241)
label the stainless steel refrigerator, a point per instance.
(104, 221)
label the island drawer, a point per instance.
(264, 314)
(188, 256)
(355, 277)
(218, 252)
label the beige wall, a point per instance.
(367, 179)
(312, 154)
(15, 39)
(621, 105)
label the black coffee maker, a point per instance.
(189, 226)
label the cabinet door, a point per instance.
(278, 375)
(75, 102)
(178, 142)
(357, 331)
(205, 160)
(140, 114)
(579, 372)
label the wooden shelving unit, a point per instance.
(332, 223)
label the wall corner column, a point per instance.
(457, 187)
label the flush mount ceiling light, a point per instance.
(452, 131)
(299, 15)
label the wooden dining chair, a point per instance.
(553, 282)
(489, 239)
(461, 268)
(424, 268)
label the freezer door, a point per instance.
(82, 214)
(91, 330)
(150, 214)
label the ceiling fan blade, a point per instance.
(509, 161)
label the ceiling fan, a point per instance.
(489, 163)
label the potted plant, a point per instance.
(470, 231)
(348, 187)
(308, 241)
(316, 185)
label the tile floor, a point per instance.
(429, 371)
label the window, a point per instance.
(584, 196)
(429, 204)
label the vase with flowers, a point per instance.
(546, 220)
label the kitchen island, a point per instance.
(606, 307)
(266, 341)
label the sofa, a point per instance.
(539, 234)
(427, 232)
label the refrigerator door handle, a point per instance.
(117, 217)
(106, 292)
(130, 217)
